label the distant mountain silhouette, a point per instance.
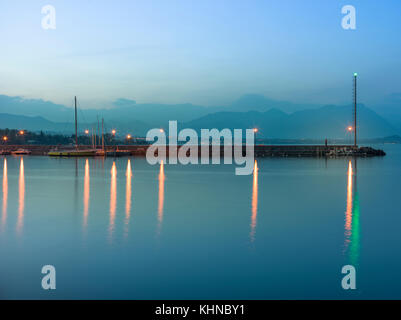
(390, 108)
(11, 121)
(35, 108)
(249, 111)
(328, 121)
(257, 102)
(123, 111)
(156, 115)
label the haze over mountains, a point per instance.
(275, 119)
(320, 123)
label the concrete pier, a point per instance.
(315, 151)
(259, 150)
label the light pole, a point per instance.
(113, 134)
(22, 133)
(255, 131)
(350, 129)
(355, 114)
(87, 133)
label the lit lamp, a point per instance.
(350, 129)
(21, 132)
(255, 130)
(113, 132)
(128, 136)
(5, 138)
(161, 130)
(86, 131)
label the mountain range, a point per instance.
(274, 119)
(325, 122)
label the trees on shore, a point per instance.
(24, 137)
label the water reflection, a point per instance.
(348, 212)
(254, 201)
(76, 191)
(128, 195)
(86, 192)
(161, 195)
(113, 198)
(21, 199)
(352, 225)
(5, 195)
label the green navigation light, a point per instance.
(355, 74)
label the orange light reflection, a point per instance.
(348, 213)
(5, 194)
(21, 200)
(86, 192)
(254, 201)
(161, 194)
(128, 194)
(113, 198)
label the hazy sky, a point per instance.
(205, 51)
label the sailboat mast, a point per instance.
(102, 134)
(76, 123)
(98, 131)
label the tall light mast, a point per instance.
(76, 123)
(355, 104)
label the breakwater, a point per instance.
(259, 150)
(316, 151)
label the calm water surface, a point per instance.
(123, 229)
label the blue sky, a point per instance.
(203, 52)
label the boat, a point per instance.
(118, 153)
(5, 153)
(21, 152)
(73, 152)
(100, 153)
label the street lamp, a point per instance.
(128, 136)
(113, 132)
(5, 138)
(86, 131)
(21, 132)
(255, 131)
(161, 130)
(350, 129)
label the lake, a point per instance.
(123, 229)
